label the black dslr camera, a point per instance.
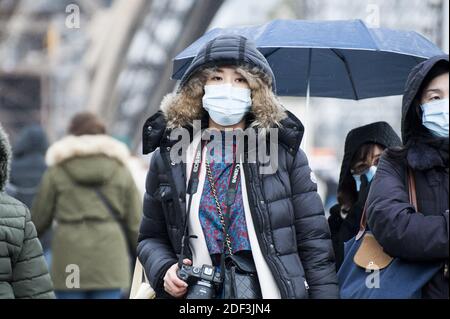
(202, 281)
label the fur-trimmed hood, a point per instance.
(156, 131)
(88, 159)
(86, 145)
(181, 109)
(5, 158)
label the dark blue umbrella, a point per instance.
(336, 59)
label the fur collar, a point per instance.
(422, 157)
(156, 134)
(179, 111)
(86, 145)
(5, 158)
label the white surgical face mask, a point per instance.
(435, 117)
(370, 173)
(226, 104)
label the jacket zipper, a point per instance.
(306, 285)
(171, 180)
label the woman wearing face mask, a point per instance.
(274, 221)
(363, 148)
(402, 232)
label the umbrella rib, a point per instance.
(273, 52)
(347, 67)
(175, 75)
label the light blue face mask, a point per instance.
(435, 117)
(226, 104)
(370, 173)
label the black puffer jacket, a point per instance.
(344, 229)
(399, 229)
(288, 214)
(287, 210)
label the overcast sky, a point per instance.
(238, 12)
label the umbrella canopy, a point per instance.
(336, 59)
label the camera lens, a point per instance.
(201, 290)
(204, 283)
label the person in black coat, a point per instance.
(28, 164)
(363, 148)
(284, 216)
(401, 231)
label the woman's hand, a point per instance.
(173, 285)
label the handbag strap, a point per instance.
(412, 200)
(412, 189)
(230, 198)
(116, 215)
(223, 221)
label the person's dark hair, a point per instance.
(414, 116)
(86, 123)
(439, 69)
(348, 194)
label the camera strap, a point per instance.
(191, 190)
(230, 197)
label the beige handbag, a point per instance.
(140, 287)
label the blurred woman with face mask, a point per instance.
(272, 226)
(421, 236)
(363, 148)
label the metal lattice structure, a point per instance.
(117, 63)
(169, 27)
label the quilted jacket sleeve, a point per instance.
(154, 249)
(30, 273)
(313, 234)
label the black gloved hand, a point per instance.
(335, 219)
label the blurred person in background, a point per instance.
(28, 164)
(27, 167)
(275, 225)
(90, 193)
(23, 271)
(363, 148)
(421, 236)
